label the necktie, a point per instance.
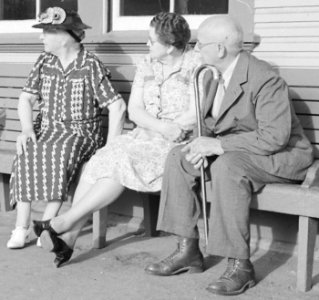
(218, 97)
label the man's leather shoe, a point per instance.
(186, 258)
(238, 276)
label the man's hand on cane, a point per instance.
(200, 148)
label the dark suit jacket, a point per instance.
(257, 117)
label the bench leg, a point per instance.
(99, 228)
(150, 205)
(4, 198)
(306, 245)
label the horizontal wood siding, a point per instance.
(288, 32)
(288, 35)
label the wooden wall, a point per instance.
(288, 33)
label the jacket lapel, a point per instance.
(234, 89)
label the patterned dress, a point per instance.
(68, 127)
(136, 160)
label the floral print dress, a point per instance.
(136, 159)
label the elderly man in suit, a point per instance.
(252, 137)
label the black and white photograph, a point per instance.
(159, 149)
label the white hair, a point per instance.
(226, 30)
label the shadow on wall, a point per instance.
(2, 120)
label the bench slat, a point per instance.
(6, 160)
(10, 92)
(306, 107)
(300, 77)
(309, 122)
(305, 93)
(118, 72)
(12, 82)
(8, 103)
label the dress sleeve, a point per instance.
(32, 85)
(143, 68)
(104, 92)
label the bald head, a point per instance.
(223, 29)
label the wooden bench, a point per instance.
(301, 200)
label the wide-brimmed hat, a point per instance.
(58, 18)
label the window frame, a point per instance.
(236, 9)
(119, 23)
(20, 26)
(103, 32)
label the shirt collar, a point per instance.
(229, 71)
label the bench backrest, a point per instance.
(303, 84)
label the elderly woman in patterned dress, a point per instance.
(162, 106)
(72, 87)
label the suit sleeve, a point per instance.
(273, 115)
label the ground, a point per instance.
(117, 271)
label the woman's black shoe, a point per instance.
(64, 255)
(51, 242)
(39, 226)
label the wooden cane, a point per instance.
(197, 72)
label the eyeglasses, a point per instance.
(200, 45)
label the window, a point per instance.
(128, 11)
(140, 12)
(17, 10)
(18, 16)
(192, 7)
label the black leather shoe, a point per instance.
(238, 277)
(186, 258)
(39, 226)
(63, 255)
(51, 242)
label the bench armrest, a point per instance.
(312, 176)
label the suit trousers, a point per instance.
(234, 176)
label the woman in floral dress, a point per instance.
(162, 106)
(72, 87)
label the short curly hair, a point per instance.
(172, 29)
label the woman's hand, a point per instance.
(23, 139)
(172, 132)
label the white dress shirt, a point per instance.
(222, 86)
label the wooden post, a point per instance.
(150, 205)
(4, 197)
(99, 228)
(306, 245)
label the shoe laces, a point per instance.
(232, 267)
(170, 258)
